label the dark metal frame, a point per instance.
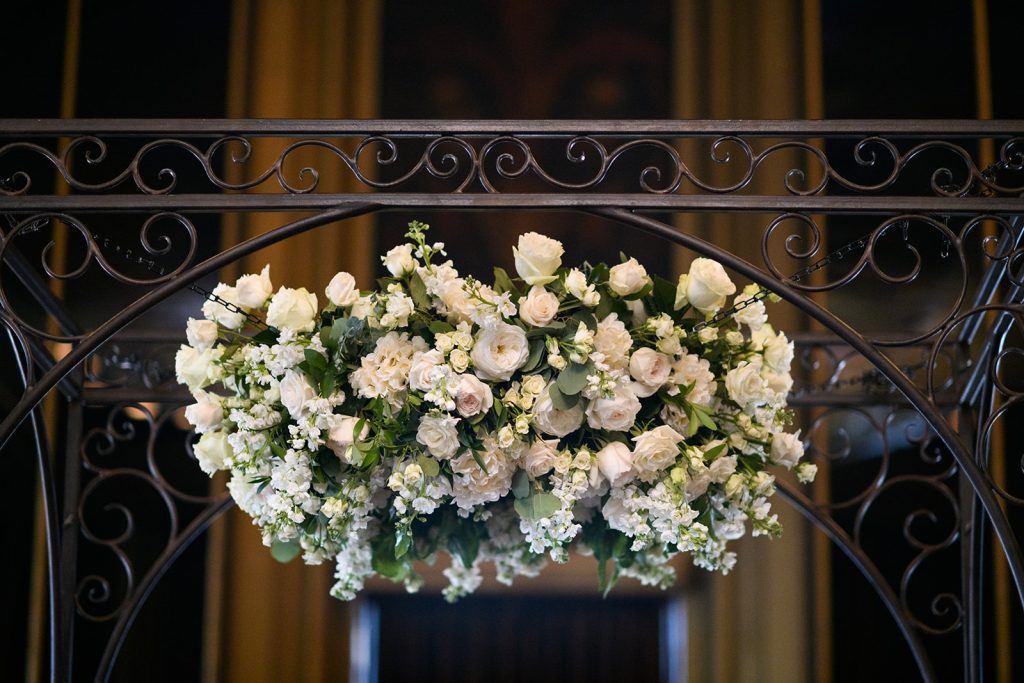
(957, 384)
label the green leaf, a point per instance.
(587, 318)
(267, 337)
(604, 306)
(464, 543)
(573, 378)
(428, 465)
(704, 418)
(694, 420)
(285, 551)
(536, 354)
(315, 360)
(537, 506)
(384, 561)
(403, 541)
(418, 292)
(277, 449)
(716, 451)
(664, 294)
(521, 484)
(479, 460)
(327, 384)
(440, 327)
(503, 283)
(560, 401)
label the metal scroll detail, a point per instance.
(722, 164)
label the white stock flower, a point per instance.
(499, 351)
(628, 278)
(212, 451)
(615, 461)
(341, 434)
(399, 260)
(296, 391)
(538, 307)
(201, 334)
(539, 458)
(206, 413)
(472, 396)
(537, 258)
(254, 290)
(650, 369)
(342, 290)
(294, 309)
(213, 310)
(195, 369)
(576, 284)
(787, 449)
(654, 451)
(439, 434)
(705, 287)
(617, 413)
(554, 422)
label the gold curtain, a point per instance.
(749, 60)
(299, 59)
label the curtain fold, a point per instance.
(303, 59)
(741, 60)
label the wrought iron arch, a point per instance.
(904, 173)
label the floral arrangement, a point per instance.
(596, 408)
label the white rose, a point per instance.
(453, 296)
(341, 434)
(778, 353)
(534, 384)
(705, 287)
(196, 369)
(213, 451)
(459, 360)
(540, 457)
(296, 391)
(538, 307)
(778, 383)
(201, 334)
(613, 341)
(654, 451)
(787, 449)
(537, 258)
(213, 310)
(616, 414)
(421, 373)
(554, 422)
(472, 396)
(576, 284)
(805, 472)
(745, 384)
(722, 468)
(295, 309)
(439, 434)
(637, 310)
(650, 369)
(399, 261)
(206, 413)
(615, 462)
(500, 350)
(363, 307)
(342, 290)
(752, 315)
(254, 290)
(628, 278)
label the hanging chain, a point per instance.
(210, 296)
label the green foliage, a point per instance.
(285, 551)
(537, 505)
(573, 378)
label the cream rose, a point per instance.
(787, 449)
(421, 372)
(616, 414)
(342, 290)
(553, 421)
(615, 461)
(745, 384)
(540, 457)
(500, 350)
(341, 434)
(214, 310)
(296, 391)
(705, 287)
(399, 260)
(213, 451)
(439, 434)
(254, 290)
(538, 307)
(655, 451)
(201, 334)
(472, 396)
(650, 369)
(628, 278)
(196, 369)
(537, 258)
(295, 309)
(206, 413)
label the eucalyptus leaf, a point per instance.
(536, 354)
(560, 401)
(521, 484)
(285, 551)
(573, 378)
(428, 465)
(537, 506)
